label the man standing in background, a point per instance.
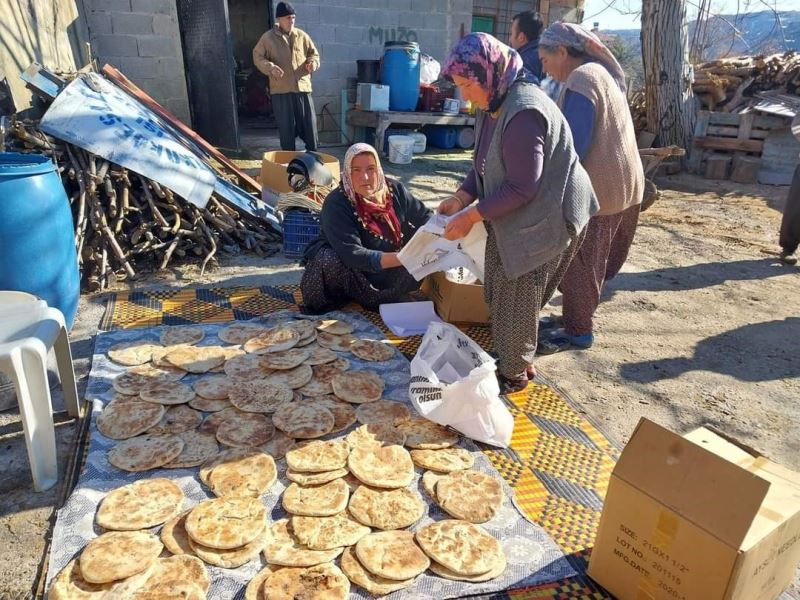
(526, 27)
(287, 56)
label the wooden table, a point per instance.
(380, 121)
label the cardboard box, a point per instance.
(456, 302)
(273, 169)
(372, 96)
(698, 517)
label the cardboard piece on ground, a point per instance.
(698, 516)
(408, 318)
(456, 302)
(273, 169)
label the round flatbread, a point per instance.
(375, 434)
(243, 429)
(69, 584)
(226, 523)
(326, 372)
(196, 359)
(288, 359)
(278, 446)
(323, 500)
(249, 474)
(234, 557)
(118, 554)
(462, 547)
(427, 435)
(213, 387)
(334, 327)
(198, 447)
(322, 582)
(307, 479)
(155, 372)
(206, 405)
(132, 353)
(170, 589)
(372, 350)
(177, 419)
(378, 586)
(392, 555)
(284, 549)
(276, 339)
(125, 418)
(305, 327)
(445, 460)
(144, 452)
(181, 335)
(327, 533)
(386, 509)
(238, 333)
(383, 411)
(173, 535)
(140, 505)
(259, 396)
(167, 392)
(339, 343)
(231, 454)
(321, 356)
(303, 421)
(315, 389)
(344, 415)
(174, 573)
(429, 481)
(245, 368)
(212, 422)
(358, 387)
(130, 384)
(497, 570)
(293, 378)
(382, 466)
(254, 589)
(470, 495)
(318, 455)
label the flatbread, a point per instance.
(181, 335)
(196, 359)
(462, 547)
(305, 327)
(206, 405)
(303, 421)
(372, 350)
(497, 570)
(174, 573)
(136, 352)
(335, 327)
(323, 500)
(155, 372)
(234, 557)
(328, 371)
(392, 555)
(177, 419)
(259, 396)
(358, 387)
(284, 549)
(171, 589)
(276, 339)
(174, 536)
(321, 356)
(198, 447)
(339, 343)
(429, 481)
(386, 509)
(167, 392)
(144, 452)
(383, 411)
(375, 434)
(254, 589)
(69, 584)
(140, 505)
(229, 455)
(427, 435)
(245, 368)
(321, 582)
(382, 466)
(343, 414)
(238, 333)
(278, 446)
(377, 586)
(288, 359)
(242, 429)
(470, 495)
(118, 554)
(213, 387)
(293, 378)
(130, 384)
(307, 479)
(327, 533)
(318, 455)
(212, 422)
(226, 523)
(159, 358)
(316, 388)
(249, 475)
(445, 460)
(125, 418)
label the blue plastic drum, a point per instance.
(37, 237)
(400, 72)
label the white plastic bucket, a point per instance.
(420, 142)
(401, 149)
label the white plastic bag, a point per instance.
(453, 383)
(429, 69)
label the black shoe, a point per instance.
(789, 258)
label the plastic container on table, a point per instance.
(400, 71)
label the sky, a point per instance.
(623, 14)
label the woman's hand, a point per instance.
(455, 203)
(461, 223)
(389, 260)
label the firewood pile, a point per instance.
(126, 224)
(638, 108)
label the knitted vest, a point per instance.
(537, 232)
(613, 161)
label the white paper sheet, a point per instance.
(408, 318)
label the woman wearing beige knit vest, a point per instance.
(594, 104)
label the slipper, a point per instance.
(509, 385)
(559, 340)
(549, 322)
(788, 258)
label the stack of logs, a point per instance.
(126, 223)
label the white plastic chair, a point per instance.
(28, 329)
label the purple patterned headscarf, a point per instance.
(486, 61)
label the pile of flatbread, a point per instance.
(271, 395)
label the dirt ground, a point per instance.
(701, 327)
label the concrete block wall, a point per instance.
(141, 38)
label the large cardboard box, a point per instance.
(698, 517)
(273, 169)
(456, 302)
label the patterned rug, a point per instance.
(558, 463)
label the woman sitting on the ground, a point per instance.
(363, 225)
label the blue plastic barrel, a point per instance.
(442, 136)
(37, 238)
(400, 72)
